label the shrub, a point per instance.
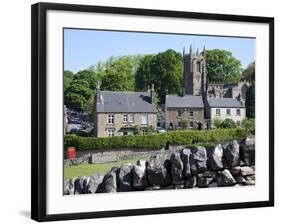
(217, 122)
(249, 125)
(154, 141)
(71, 141)
(228, 123)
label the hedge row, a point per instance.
(155, 141)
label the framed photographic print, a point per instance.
(139, 111)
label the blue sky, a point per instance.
(83, 48)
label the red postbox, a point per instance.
(71, 153)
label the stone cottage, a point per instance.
(184, 112)
(124, 113)
(224, 108)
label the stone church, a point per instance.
(202, 101)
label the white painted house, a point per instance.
(224, 108)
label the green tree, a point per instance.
(77, 95)
(222, 66)
(119, 74)
(67, 78)
(250, 102)
(164, 70)
(249, 72)
(143, 77)
(89, 76)
(249, 75)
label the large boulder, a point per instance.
(247, 151)
(69, 186)
(109, 182)
(125, 178)
(232, 154)
(243, 170)
(225, 178)
(198, 160)
(250, 180)
(216, 158)
(240, 180)
(92, 183)
(139, 175)
(206, 178)
(158, 170)
(176, 169)
(79, 185)
(190, 182)
(185, 157)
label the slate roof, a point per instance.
(128, 102)
(225, 103)
(187, 101)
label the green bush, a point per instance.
(154, 141)
(71, 141)
(228, 123)
(217, 122)
(249, 125)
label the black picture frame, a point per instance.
(38, 108)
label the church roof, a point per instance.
(225, 103)
(187, 101)
(126, 102)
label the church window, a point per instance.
(198, 66)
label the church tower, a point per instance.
(194, 73)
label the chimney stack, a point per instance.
(153, 95)
(98, 96)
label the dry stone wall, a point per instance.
(224, 165)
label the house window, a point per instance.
(125, 133)
(132, 118)
(190, 113)
(111, 119)
(179, 125)
(180, 113)
(144, 119)
(238, 123)
(125, 118)
(238, 112)
(110, 132)
(228, 112)
(191, 124)
(218, 112)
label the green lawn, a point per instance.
(90, 169)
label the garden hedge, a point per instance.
(154, 141)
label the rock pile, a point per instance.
(223, 165)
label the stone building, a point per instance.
(228, 90)
(224, 108)
(184, 112)
(194, 73)
(124, 113)
(216, 99)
